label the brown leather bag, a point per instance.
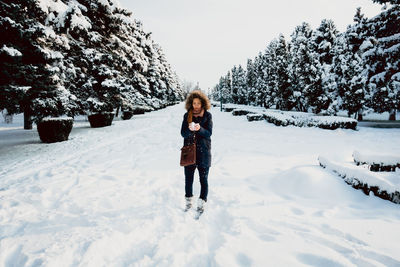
(188, 154)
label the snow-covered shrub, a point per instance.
(325, 122)
(377, 162)
(126, 115)
(255, 117)
(240, 112)
(101, 119)
(228, 109)
(332, 122)
(53, 130)
(279, 119)
(385, 187)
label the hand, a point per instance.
(197, 127)
(191, 126)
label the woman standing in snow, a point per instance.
(197, 122)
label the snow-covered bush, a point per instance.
(377, 162)
(255, 117)
(285, 118)
(331, 122)
(279, 119)
(53, 130)
(386, 187)
(240, 112)
(228, 109)
(101, 119)
(126, 115)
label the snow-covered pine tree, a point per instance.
(13, 25)
(226, 90)
(322, 40)
(350, 78)
(215, 93)
(300, 68)
(382, 57)
(104, 58)
(260, 84)
(394, 2)
(271, 72)
(235, 85)
(251, 78)
(284, 90)
(223, 90)
(347, 49)
(33, 82)
(242, 93)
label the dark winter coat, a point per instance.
(203, 137)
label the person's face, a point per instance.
(196, 104)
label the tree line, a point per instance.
(79, 57)
(324, 71)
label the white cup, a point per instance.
(192, 125)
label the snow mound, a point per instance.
(309, 183)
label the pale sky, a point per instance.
(203, 39)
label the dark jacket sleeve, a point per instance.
(206, 129)
(185, 132)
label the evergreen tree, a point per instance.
(271, 74)
(350, 76)
(225, 88)
(260, 86)
(300, 70)
(323, 71)
(241, 86)
(215, 92)
(394, 2)
(251, 78)
(235, 85)
(284, 90)
(30, 78)
(90, 54)
(382, 56)
(322, 40)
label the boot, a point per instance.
(201, 205)
(188, 201)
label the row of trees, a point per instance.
(77, 57)
(324, 71)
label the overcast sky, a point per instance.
(203, 39)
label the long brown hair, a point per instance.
(205, 103)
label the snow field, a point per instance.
(114, 196)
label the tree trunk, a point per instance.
(116, 113)
(27, 119)
(360, 114)
(392, 116)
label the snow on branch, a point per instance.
(11, 51)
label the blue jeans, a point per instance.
(189, 175)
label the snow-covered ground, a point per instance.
(113, 196)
